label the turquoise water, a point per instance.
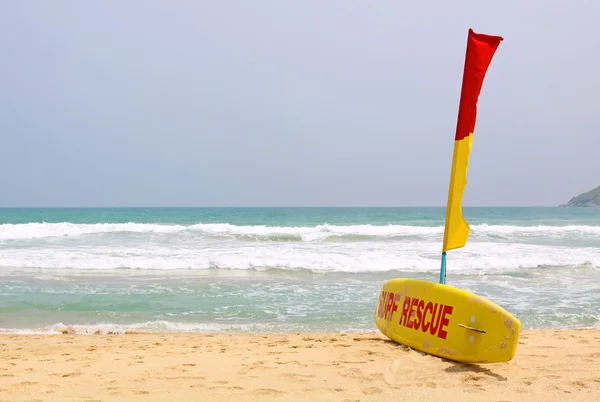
(283, 269)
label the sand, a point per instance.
(549, 365)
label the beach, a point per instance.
(549, 365)
(217, 203)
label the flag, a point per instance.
(479, 54)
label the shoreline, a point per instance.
(549, 364)
(107, 329)
(69, 330)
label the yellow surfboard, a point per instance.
(436, 318)
(445, 321)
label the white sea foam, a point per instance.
(333, 257)
(162, 326)
(54, 246)
(307, 233)
(36, 230)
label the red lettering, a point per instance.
(426, 323)
(381, 303)
(419, 319)
(381, 306)
(411, 312)
(388, 307)
(445, 320)
(405, 307)
(388, 304)
(415, 313)
(395, 306)
(435, 318)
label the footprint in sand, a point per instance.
(371, 391)
(232, 388)
(391, 376)
(26, 383)
(472, 378)
(298, 377)
(267, 392)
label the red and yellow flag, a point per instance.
(480, 51)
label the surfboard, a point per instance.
(445, 321)
(438, 319)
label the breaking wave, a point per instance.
(293, 233)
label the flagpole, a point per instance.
(443, 269)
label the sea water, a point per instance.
(283, 269)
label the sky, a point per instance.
(306, 103)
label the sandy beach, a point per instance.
(549, 365)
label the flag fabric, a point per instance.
(479, 54)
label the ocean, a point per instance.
(258, 270)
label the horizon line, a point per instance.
(279, 206)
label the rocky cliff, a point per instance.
(589, 199)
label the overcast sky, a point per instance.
(304, 103)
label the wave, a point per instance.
(291, 233)
(411, 256)
(161, 326)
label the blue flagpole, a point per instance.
(443, 269)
